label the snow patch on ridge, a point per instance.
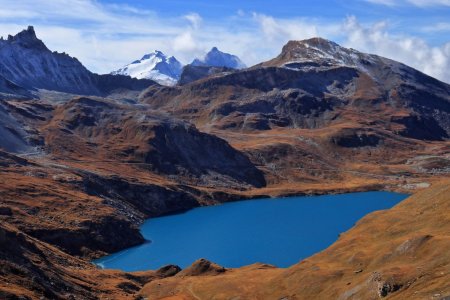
(319, 53)
(217, 58)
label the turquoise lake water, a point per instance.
(278, 231)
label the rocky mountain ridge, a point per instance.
(27, 64)
(312, 84)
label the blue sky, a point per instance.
(106, 34)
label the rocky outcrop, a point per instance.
(352, 138)
(93, 237)
(421, 128)
(14, 136)
(168, 271)
(176, 148)
(31, 269)
(9, 89)
(152, 200)
(202, 267)
(108, 84)
(7, 159)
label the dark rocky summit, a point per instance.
(192, 73)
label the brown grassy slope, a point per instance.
(400, 253)
(298, 161)
(32, 269)
(51, 204)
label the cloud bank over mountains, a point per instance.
(107, 36)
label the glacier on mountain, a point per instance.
(155, 66)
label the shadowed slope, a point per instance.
(136, 134)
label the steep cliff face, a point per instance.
(28, 64)
(178, 149)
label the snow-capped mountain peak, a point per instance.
(156, 66)
(156, 53)
(217, 58)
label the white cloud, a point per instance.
(438, 27)
(194, 18)
(413, 51)
(185, 42)
(284, 30)
(424, 3)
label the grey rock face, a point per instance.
(25, 62)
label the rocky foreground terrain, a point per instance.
(85, 158)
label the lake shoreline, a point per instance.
(245, 197)
(251, 209)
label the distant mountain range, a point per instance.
(27, 65)
(168, 70)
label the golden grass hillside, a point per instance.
(394, 254)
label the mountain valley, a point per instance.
(86, 158)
